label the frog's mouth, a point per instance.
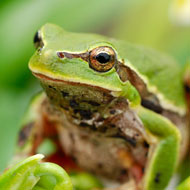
(45, 79)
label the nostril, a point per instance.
(60, 54)
(38, 40)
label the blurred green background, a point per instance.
(161, 24)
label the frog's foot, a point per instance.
(163, 158)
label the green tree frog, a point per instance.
(116, 110)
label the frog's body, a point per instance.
(117, 108)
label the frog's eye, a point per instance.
(38, 40)
(102, 59)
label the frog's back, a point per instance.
(162, 74)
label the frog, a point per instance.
(114, 109)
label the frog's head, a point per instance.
(81, 66)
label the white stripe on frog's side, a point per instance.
(164, 102)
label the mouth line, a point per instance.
(45, 77)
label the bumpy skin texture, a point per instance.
(95, 114)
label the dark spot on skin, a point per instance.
(74, 116)
(146, 145)
(132, 141)
(93, 127)
(25, 133)
(51, 97)
(104, 94)
(150, 105)
(100, 165)
(64, 94)
(86, 114)
(112, 111)
(93, 103)
(51, 87)
(73, 103)
(143, 170)
(118, 136)
(157, 177)
(76, 111)
(74, 159)
(187, 89)
(102, 129)
(83, 124)
(112, 126)
(65, 108)
(123, 172)
(101, 119)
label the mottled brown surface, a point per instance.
(109, 146)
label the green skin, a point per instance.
(146, 63)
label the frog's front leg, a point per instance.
(34, 129)
(165, 149)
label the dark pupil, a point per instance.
(103, 57)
